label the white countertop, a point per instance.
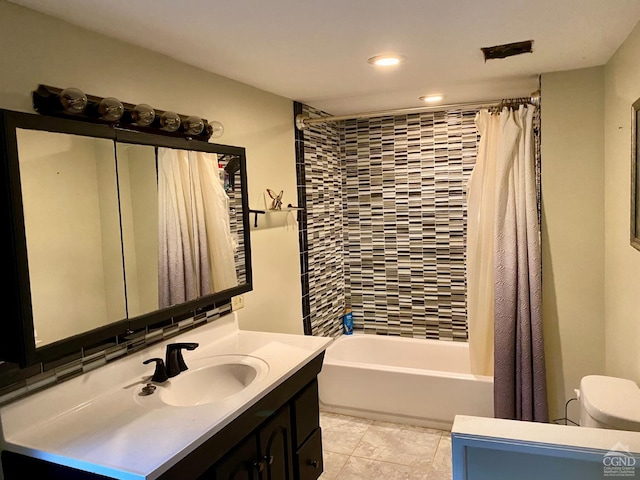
(97, 422)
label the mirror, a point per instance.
(115, 230)
(72, 230)
(181, 225)
(635, 175)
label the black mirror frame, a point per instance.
(17, 341)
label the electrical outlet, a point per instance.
(237, 302)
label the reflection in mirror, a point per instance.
(72, 229)
(182, 225)
(139, 208)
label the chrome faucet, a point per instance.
(174, 363)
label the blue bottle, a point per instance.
(347, 322)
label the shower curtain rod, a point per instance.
(303, 121)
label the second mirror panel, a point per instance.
(181, 225)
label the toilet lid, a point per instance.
(612, 401)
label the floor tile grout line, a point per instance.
(372, 423)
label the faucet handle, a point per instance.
(175, 361)
(184, 345)
(160, 374)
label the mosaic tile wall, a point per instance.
(403, 214)
(405, 222)
(398, 184)
(237, 227)
(319, 179)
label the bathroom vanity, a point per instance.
(90, 289)
(101, 425)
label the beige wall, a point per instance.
(39, 49)
(622, 262)
(591, 274)
(572, 231)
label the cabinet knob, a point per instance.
(268, 459)
(314, 463)
(259, 466)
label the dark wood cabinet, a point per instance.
(278, 438)
(264, 455)
(239, 464)
(308, 458)
(288, 446)
(276, 450)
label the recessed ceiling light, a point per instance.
(435, 98)
(387, 60)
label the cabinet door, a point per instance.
(306, 413)
(242, 463)
(276, 448)
(308, 458)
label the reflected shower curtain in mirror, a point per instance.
(212, 223)
(196, 249)
(504, 246)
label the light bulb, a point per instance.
(193, 125)
(73, 100)
(215, 129)
(143, 115)
(170, 121)
(110, 109)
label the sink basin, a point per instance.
(209, 380)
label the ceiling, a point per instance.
(316, 51)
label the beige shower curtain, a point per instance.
(480, 240)
(504, 265)
(213, 223)
(196, 248)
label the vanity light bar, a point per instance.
(74, 103)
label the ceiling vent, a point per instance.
(507, 50)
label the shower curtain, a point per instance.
(196, 249)
(504, 265)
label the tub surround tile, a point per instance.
(386, 222)
(319, 180)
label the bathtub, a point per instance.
(402, 380)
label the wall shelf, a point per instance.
(288, 208)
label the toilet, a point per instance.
(609, 402)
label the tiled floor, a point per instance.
(361, 449)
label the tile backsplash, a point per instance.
(16, 383)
